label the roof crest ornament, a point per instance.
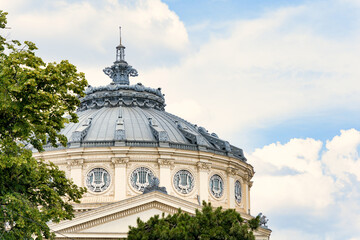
(120, 71)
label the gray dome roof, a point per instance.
(120, 114)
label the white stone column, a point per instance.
(75, 166)
(248, 195)
(231, 186)
(203, 170)
(120, 165)
(165, 165)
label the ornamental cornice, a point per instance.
(166, 162)
(122, 95)
(249, 174)
(203, 166)
(139, 154)
(121, 214)
(119, 162)
(75, 163)
(233, 172)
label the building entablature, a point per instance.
(125, 171)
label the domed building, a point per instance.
(125, 142)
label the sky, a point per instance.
(280, 79)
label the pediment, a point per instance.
(111, 221)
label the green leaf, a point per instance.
(34, 98)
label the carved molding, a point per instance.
(203, 166)
(233, 172)
(75, 163)
(119, 162)
(166, 162)
(248, 175)
(121, 214)
(122, 95)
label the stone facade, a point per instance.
(97, 223)
(120, 162)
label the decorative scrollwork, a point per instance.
(119, 161)
(237, 190)
(140, 178)
(203, 166)
(98, 180)
(166, 162)
(75, 162)
(183, 181)
(120, 71)
(216, 186)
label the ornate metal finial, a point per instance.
(120, 34)
(120, 71)
(120, 50)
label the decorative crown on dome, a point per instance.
(120, 92)
(120, 71)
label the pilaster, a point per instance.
(75, 166)
(203, 169)
(231, 183)
(120, 165)
(165, 165)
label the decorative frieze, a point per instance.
(203, 166)
(75, 163)
(166, 162)
(119, 162)
(233, 172)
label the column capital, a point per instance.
(203, 166)
(120, 162)
(166, 162)
(75, 163)
(233, 172)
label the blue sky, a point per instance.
(279, 79)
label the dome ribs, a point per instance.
(190, 135)
(159, 133)
(137, 125)
(168, 124)
(79, 134)
(120, 127)
(214, 139)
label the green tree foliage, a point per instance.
(206, 224)
(36, 100)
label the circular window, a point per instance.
(237, 191)
(184, 181)
(98, 180)
(140, 178)
(216, 186)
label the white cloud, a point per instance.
(293, 174)
(261, 72)
(293, 234)
(267, 70)
(87, 32)
(342, 156)
(301, 179)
